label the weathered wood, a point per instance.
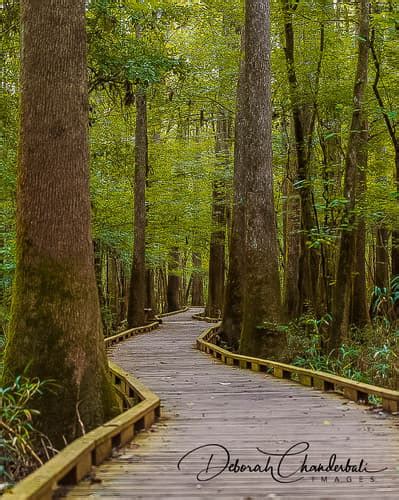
(356, 391)
(205, 401)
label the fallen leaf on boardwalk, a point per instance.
(224, 383)
(326, 422)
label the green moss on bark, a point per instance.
(55, 333)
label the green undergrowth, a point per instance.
(368, 355)
(23, 447)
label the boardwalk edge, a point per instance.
(350, 389)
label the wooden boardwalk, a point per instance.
(206, 402)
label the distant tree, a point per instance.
(137, 297)
(354, 161)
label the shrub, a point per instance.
(23, 448)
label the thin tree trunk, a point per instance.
(218, 236)
(342, 290)
(308, 259)
(197, 286)
(150, 292)
(382, 257)
(135, 316)
(391, 128)
(262, 301)
(173, 290)
(55, 329)
(359, 314)
(292, 239)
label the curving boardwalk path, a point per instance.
(206, 402)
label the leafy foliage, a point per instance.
(23, 448)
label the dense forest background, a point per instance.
(176, 197)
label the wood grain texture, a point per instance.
(206, 402)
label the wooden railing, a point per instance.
(355, 391)
(202, 317)
(141, 408)
(172, 313)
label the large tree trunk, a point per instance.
(353, 161)
(173, 289)
(135, 315)
(218, 236)
(262, 301)
(55, 328)
(232, 311)
(197, 286)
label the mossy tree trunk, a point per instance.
(55, 329)
(137, 296)
(353, 161)
(262, 301)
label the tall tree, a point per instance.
(232, 311)
(173, 287)
(262, 301)
(359, 311)
(197, 286)
(353, 162)
(303, 269)
(217, 269)
(391, 126)
(137, 297)
(55, 329)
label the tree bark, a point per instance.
(232, 311)
(345, 266)
(262, 301)
(135, 316)
(55, 329)
(218, 236)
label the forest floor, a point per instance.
(205, 402)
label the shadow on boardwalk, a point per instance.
(206, 402)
